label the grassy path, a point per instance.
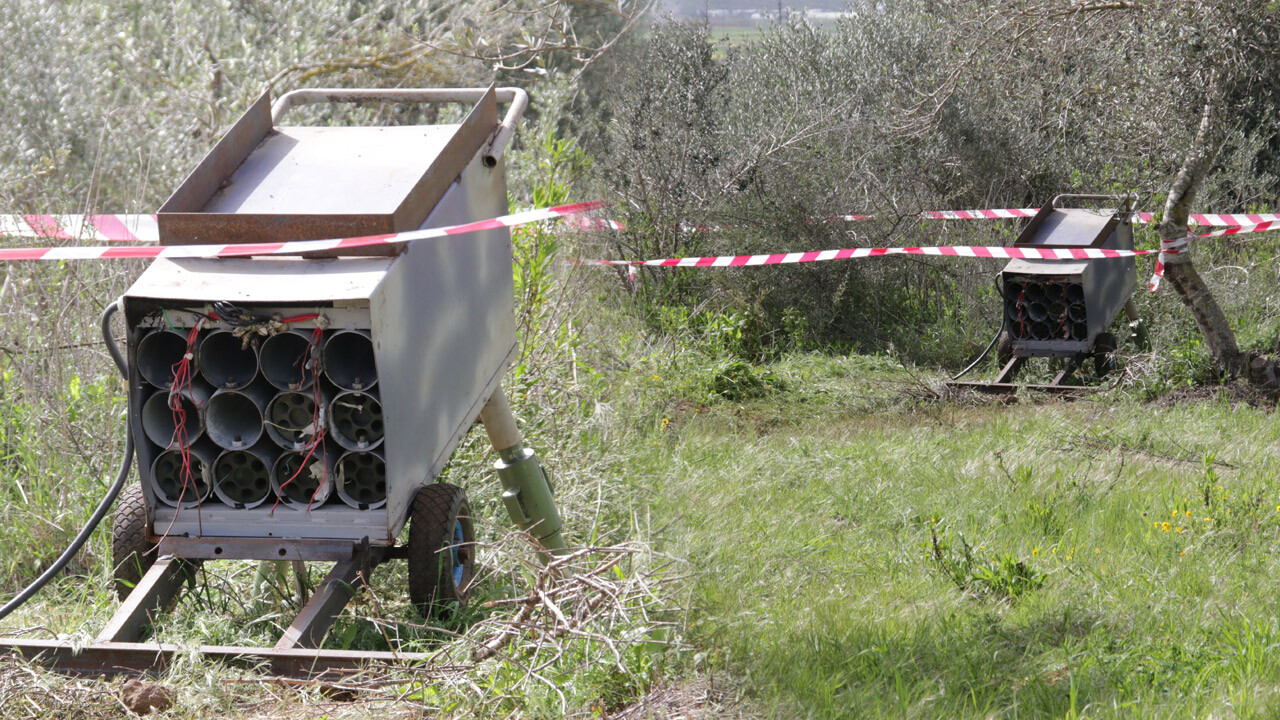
(866, 555)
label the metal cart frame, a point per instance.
(204, 208)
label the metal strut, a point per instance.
(526, 489)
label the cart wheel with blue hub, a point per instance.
(441, 550)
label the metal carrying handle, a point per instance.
(518, 99)
(1129, 199)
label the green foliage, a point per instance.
(824, 586)
(1002, 576)
(892, 112)
(737, 381)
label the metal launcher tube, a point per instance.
(227, 361)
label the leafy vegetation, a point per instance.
(790, 514)
(866, 553)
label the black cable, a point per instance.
(994, 340)
(107, 501)
(236, 316)
(110, 339)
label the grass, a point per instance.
(854, 543)
(866, 553)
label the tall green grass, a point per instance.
(864, 552)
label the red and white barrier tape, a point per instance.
(286, 248)
(1206, 219)
(143, 228)
(975, 251)
(100, 228)
(1261, 226)
(1168, 247)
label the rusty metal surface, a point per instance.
(246, 548)
(266, 184)
(222, 160)
(118, 648)
(110, 658)
(157, 589)
(316, 617)
(1011, 388)
(1068, 228)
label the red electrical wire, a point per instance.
(182, 376)
(310, 359)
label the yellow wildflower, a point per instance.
(1164, 526)
(1035, 551)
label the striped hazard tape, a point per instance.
(1206, 219)
(143, 228)
(1171, 247)
(285, 248)
(973, 251)
(100, 228)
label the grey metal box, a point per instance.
(1092, 292)
(442, 322)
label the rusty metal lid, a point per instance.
(266, 184)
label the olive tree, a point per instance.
(1170, 87)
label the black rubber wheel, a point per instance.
(441, 550)
(130, 549)
(1004, 348)
(1104, 355)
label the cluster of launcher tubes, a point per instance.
(1052, 309)
(237, 419)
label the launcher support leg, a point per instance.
(526, 489)
(1137, 328)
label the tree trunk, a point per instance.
(1181, 273)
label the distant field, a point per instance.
(736, 33)
(739, 31)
